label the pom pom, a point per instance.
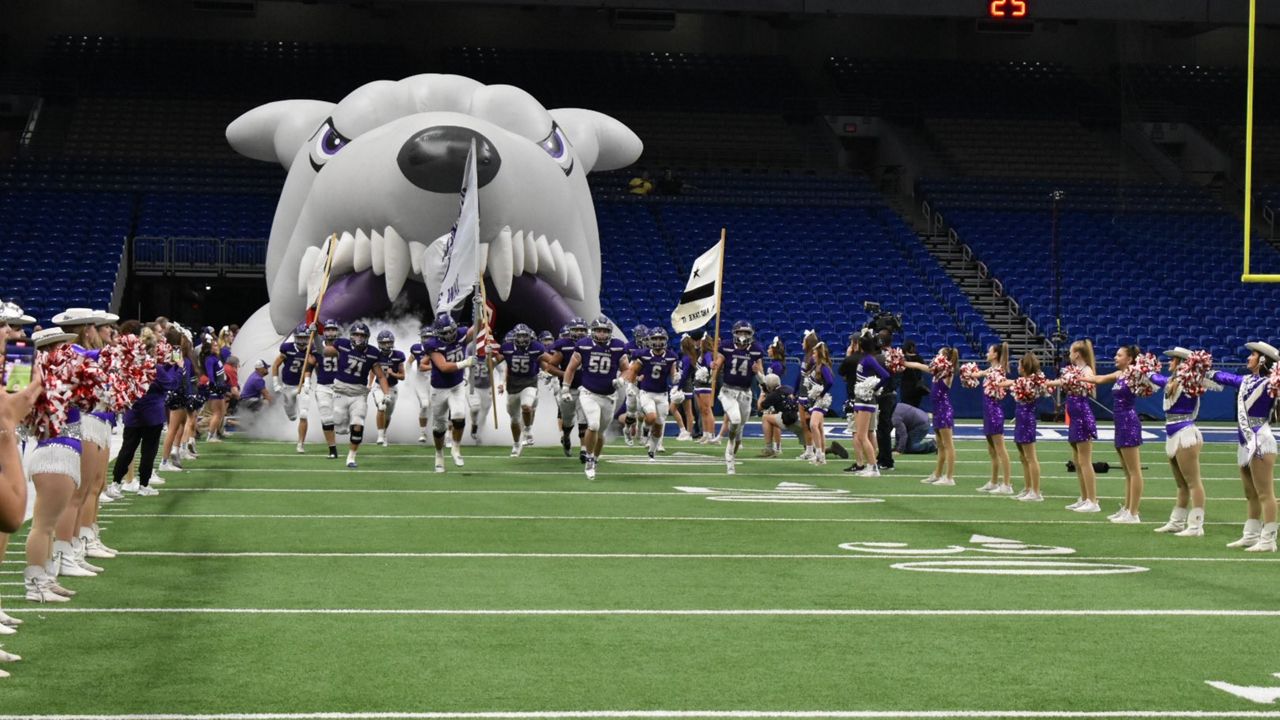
(941, 367)
(1029, 388)
(993, 385)
(969, 376)
(1273, 381)
(1073, 381)
(1138, 374)
(60, 369)
(1192, 373)
(894, 360)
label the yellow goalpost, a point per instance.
(1247, 275)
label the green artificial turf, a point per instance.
(531, 534)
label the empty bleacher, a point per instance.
(1155, 265)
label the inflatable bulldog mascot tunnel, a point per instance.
(382, 169)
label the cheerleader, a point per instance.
(1256, 454)
(55, 463)
(1083, 428)
(1027, 389)
(95, 439)
(1182, 389)
(817, 384)
(685, 373)
(176, 371)
(807, 345)
(942, 368)
(993, 390)
(702, 391)
(212, 365)
(864, 376)
(14, 408)
(1128, 430)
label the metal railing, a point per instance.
(198, 256)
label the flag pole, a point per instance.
(715, 343)
(332, 242)
(488, 356)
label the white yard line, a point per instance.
(685, 715)
(654, 612)
(657, 556)
(623, 518)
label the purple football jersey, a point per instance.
(392, 361)
(655, 370)
(326, 367)
(522, 365)
(291, 366)
(599, 364)
(355, 363)
(567, 347)
(453, 352)
(739, 365)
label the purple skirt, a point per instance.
(992, 417)
(1024, 423)
(1128, 429)
(1083, 426)
(944, 417)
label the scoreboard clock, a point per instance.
(1007, 9)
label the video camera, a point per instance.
(878, 320)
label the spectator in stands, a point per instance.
(914, 388)
(669, 184)
(254, 395)
(642, 185)
(142, 425)
(911, 430)
(886, 402)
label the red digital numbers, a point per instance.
(1001, 9)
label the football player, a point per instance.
(596, 361)
(392, 362)
(357, 360)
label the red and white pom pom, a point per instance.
(1029, 388)
(993, 385)
(1273, 381)
(49, 413)
(1192, 372)
(1073, 380)
(941, 367)
(894, 360)
(969, 376)
(1138, 374)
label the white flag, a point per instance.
(462, 251)
(698, 303)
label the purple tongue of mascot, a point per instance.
(381, 172)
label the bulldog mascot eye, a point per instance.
(382, 170)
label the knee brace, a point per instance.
(423, 414)
(458, 424)
(630, 420)
(357, 434)
(582, 430)
(327, 427)
(438, 434)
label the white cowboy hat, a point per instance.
(49, 336)
(1265, 348)
(1178, 352)
(76, 316)
(11, 314)
(102, 317)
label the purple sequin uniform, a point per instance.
(1128, 426)
(992, 416)
(1083, 425)
(944, 418)
(1024, 423)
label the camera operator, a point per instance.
(887, 401)
(914, 388)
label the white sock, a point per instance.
(1269, 530)
(1252, 527)
(1179, 514)
(1195, 518)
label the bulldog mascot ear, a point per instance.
(602, 142)
(276, 131)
